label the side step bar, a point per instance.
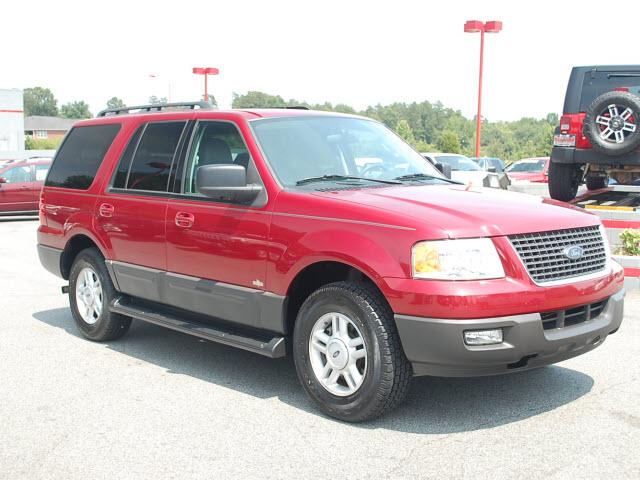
(273, 347)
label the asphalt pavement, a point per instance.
(159, 404)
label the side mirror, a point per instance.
(491, 169)
(444, 169)
(226, 182)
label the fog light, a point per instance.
(483, 337)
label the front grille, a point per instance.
(543, 253)
(573, 316)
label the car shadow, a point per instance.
(434, 405)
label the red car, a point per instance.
(529, 170)
(20, 185)
(322, 236)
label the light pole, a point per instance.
(206, 71)
(475, 26)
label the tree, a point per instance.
(255, 99)
(40, 101)
(449, 142)
(153, 100)
(404, 131)
(115, 102)
(77, 109)
(553, 119)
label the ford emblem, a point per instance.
(574, 252)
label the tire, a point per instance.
(564, 180)
(607, 114)
(101, 324)
(386, 372)
(596, 183)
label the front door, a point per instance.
(217, 252)
(16, 192)
(130, 215)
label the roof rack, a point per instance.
(158, 107)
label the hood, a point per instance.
(475, 177)
(456, 211)
(525, 175)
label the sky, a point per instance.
(350, 51)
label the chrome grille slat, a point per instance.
(543, 257)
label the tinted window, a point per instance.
(120, 179)
(17, 174)
(152, 162)
(214, 143)
(80, 156)
(597, 83)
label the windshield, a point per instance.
(527, 166)
(458, 162)
(304, 147)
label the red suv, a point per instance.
(20, 185)
(323, 236)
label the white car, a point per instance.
(463, 169)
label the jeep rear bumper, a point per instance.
(436, 346)
(579, 156)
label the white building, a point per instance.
(11, 124)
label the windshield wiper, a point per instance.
(334, 178)
(424, 176)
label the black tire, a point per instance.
(592, 129)
(108, 325)
(564, 180)
(388, 372)
(596, 183)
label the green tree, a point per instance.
(115, 102)
(77, 109)
(153, 100)
(553, 119)
(449, 142)
(255, 99)
(40, 101)
(404, 131)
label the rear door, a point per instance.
(130, 214)
(16, 193)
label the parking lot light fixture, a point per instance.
(205, 71)
(476, 26)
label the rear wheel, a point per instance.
(90, 293)
(348, 354)
(564, 180)
(596, 183)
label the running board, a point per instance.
(273, 347)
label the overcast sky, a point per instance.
(348, 51)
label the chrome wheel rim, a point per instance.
(89, 297)
(338, 354)
(616, 125)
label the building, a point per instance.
(41, 127)
(11, 123)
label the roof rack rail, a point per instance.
(158, 107)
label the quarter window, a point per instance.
(80, 156)
(154, 156)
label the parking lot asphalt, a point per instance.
(160, 404)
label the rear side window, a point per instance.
(597, 83)
(122, 172)
(80, 156)
(153, 158)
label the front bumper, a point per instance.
(580, 156)
(435, 346)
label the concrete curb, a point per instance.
(631, 265)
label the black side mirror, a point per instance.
(226, 182)
(444, 169)
(491, 169)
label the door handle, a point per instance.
(184, 219)
(106, 210)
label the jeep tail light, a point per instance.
(621, 89)
(571, 124)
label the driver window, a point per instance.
(18, 174)
(214, 143)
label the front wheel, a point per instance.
(564, 180)
(348, 354)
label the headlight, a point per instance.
(466, 259)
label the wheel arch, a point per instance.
(75, 244)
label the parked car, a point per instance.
(462, 168)
(490, 164)
(258, 229)
(598, 136)
(20, 185)
(530, 170)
